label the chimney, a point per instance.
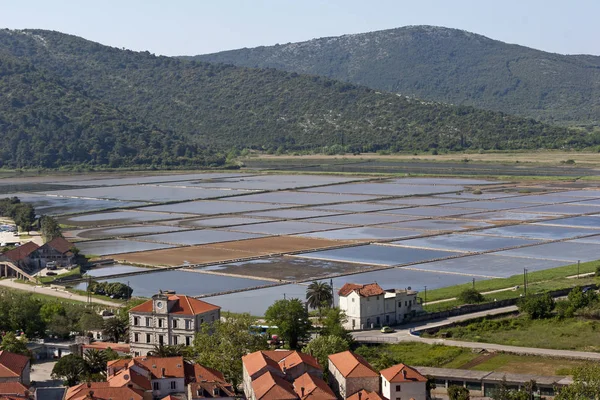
(360, 395)
(404, 373)
(302, 392)
(162, 370)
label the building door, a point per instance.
(378, 323)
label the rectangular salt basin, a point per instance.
(378, 255)
(136, 180)
(364, 233)
(293, 213)
(224, 221)
(117, 246)
(184, 282)
(593, 202)
(549, 198)
(202, 236)
(100, 233)
(358, 207)
(564, 209)
(581, 193)
(420, 201)
(289, 197)
(568, 252)
(439, 225)
(432, 211)
(490, 205)
(487, 265)
(55, 205)
(113, 270)
(117, 217)
(507, 216)
(483, 196)
(385, 189)
(588, 239)
(283, 227)
(146, 193)
(591, 221)
(536, 232)
(214, 207)
(445, 181)
(255, 302)
(464, 242)
(360, 219)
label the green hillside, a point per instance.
(66, 100)
(445, 65)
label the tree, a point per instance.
(291, 318)
(12, 344)
(456, 392)
(50, 309)
(322, 346)
(470, 296)
(90, 321)
(333, 325)
(115, 329)
(222, 344)
(25, 217)
(49, 228)
(538, 306)
(165, 350)
(95, 362)
(70, 368)
(319, 295)
(586, 384)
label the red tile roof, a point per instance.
(12, 388)
(371, 289)
(102, 391)
(291, 358)
(173, 366)
(258, 360)
(11, 364)
(352, 365)
(118, 347)
(402, 373)
(269, 386)
(183, 305)
(21, 252)
(60, 244)
(210, 390)
(199, 373)
(364, 395)
(308, 386)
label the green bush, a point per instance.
(470, 296)
(537, 307)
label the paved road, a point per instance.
(404, 335)
(10, 283)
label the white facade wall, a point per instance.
(376, 311)
(165, 386)
(403, 390)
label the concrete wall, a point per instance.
(408, 390)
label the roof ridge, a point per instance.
(190, 304)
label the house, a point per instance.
(286, 373)
(58, 250)
(206, 383)
(364, 395)
(14, 368)
(168, 319)
(102, 391)
(349, 373)
(122, 349)
(403, 382)
(369, 306)
(14, 390)
(24, 257)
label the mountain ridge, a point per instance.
(446, 65)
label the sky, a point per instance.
(189, 27)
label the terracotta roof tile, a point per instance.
(183, 305)
(202, 390)
(198, 373)
(308, 386)
(60, 244)
(368, 290)
(12, 388)
(402, 373)
(119, 347)
(291, 358)
(12, 364)
(173, 366)
(101, 391)
(21, 252)
(258, 360)
(269, 386)
(352, 365)
(364, 395)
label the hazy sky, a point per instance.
(188, 27)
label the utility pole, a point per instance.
(578, 261)
(425, 301)
(525, 281)
(473, 283)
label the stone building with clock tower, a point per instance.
(168, 319)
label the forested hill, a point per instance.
(445, 65)
(66, 100)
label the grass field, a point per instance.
(516, 364)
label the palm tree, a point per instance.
(318, 295)
(115, 329)
(162, 350)
(95, 361)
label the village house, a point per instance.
(207, 383)
(369, 306)
(14, 368)
(403, 382)
(283, 374)
(14, 390)
(58, 251)
(102, 391)
(30, 257)
(364, 395)
(349, 373)
(168, 319)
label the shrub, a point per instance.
(537, 307)
(470, 296)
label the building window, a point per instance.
(175, 340)
(136, 337)
(160, 322)
(136, 321)
(174, 324)
(161, 339)
(188, 340)
(148, 338)
(173, 385)
(353, 300)
(188, 324)
(399, 304)
(397, 388)
(201, 320)
(156, 385)
(148, 321)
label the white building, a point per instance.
(403, 382)
(168, 319)
(369, 306)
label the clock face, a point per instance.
(159, 304)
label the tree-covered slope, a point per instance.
(166, 110)
(445, 65)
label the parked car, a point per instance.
(387, 329)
